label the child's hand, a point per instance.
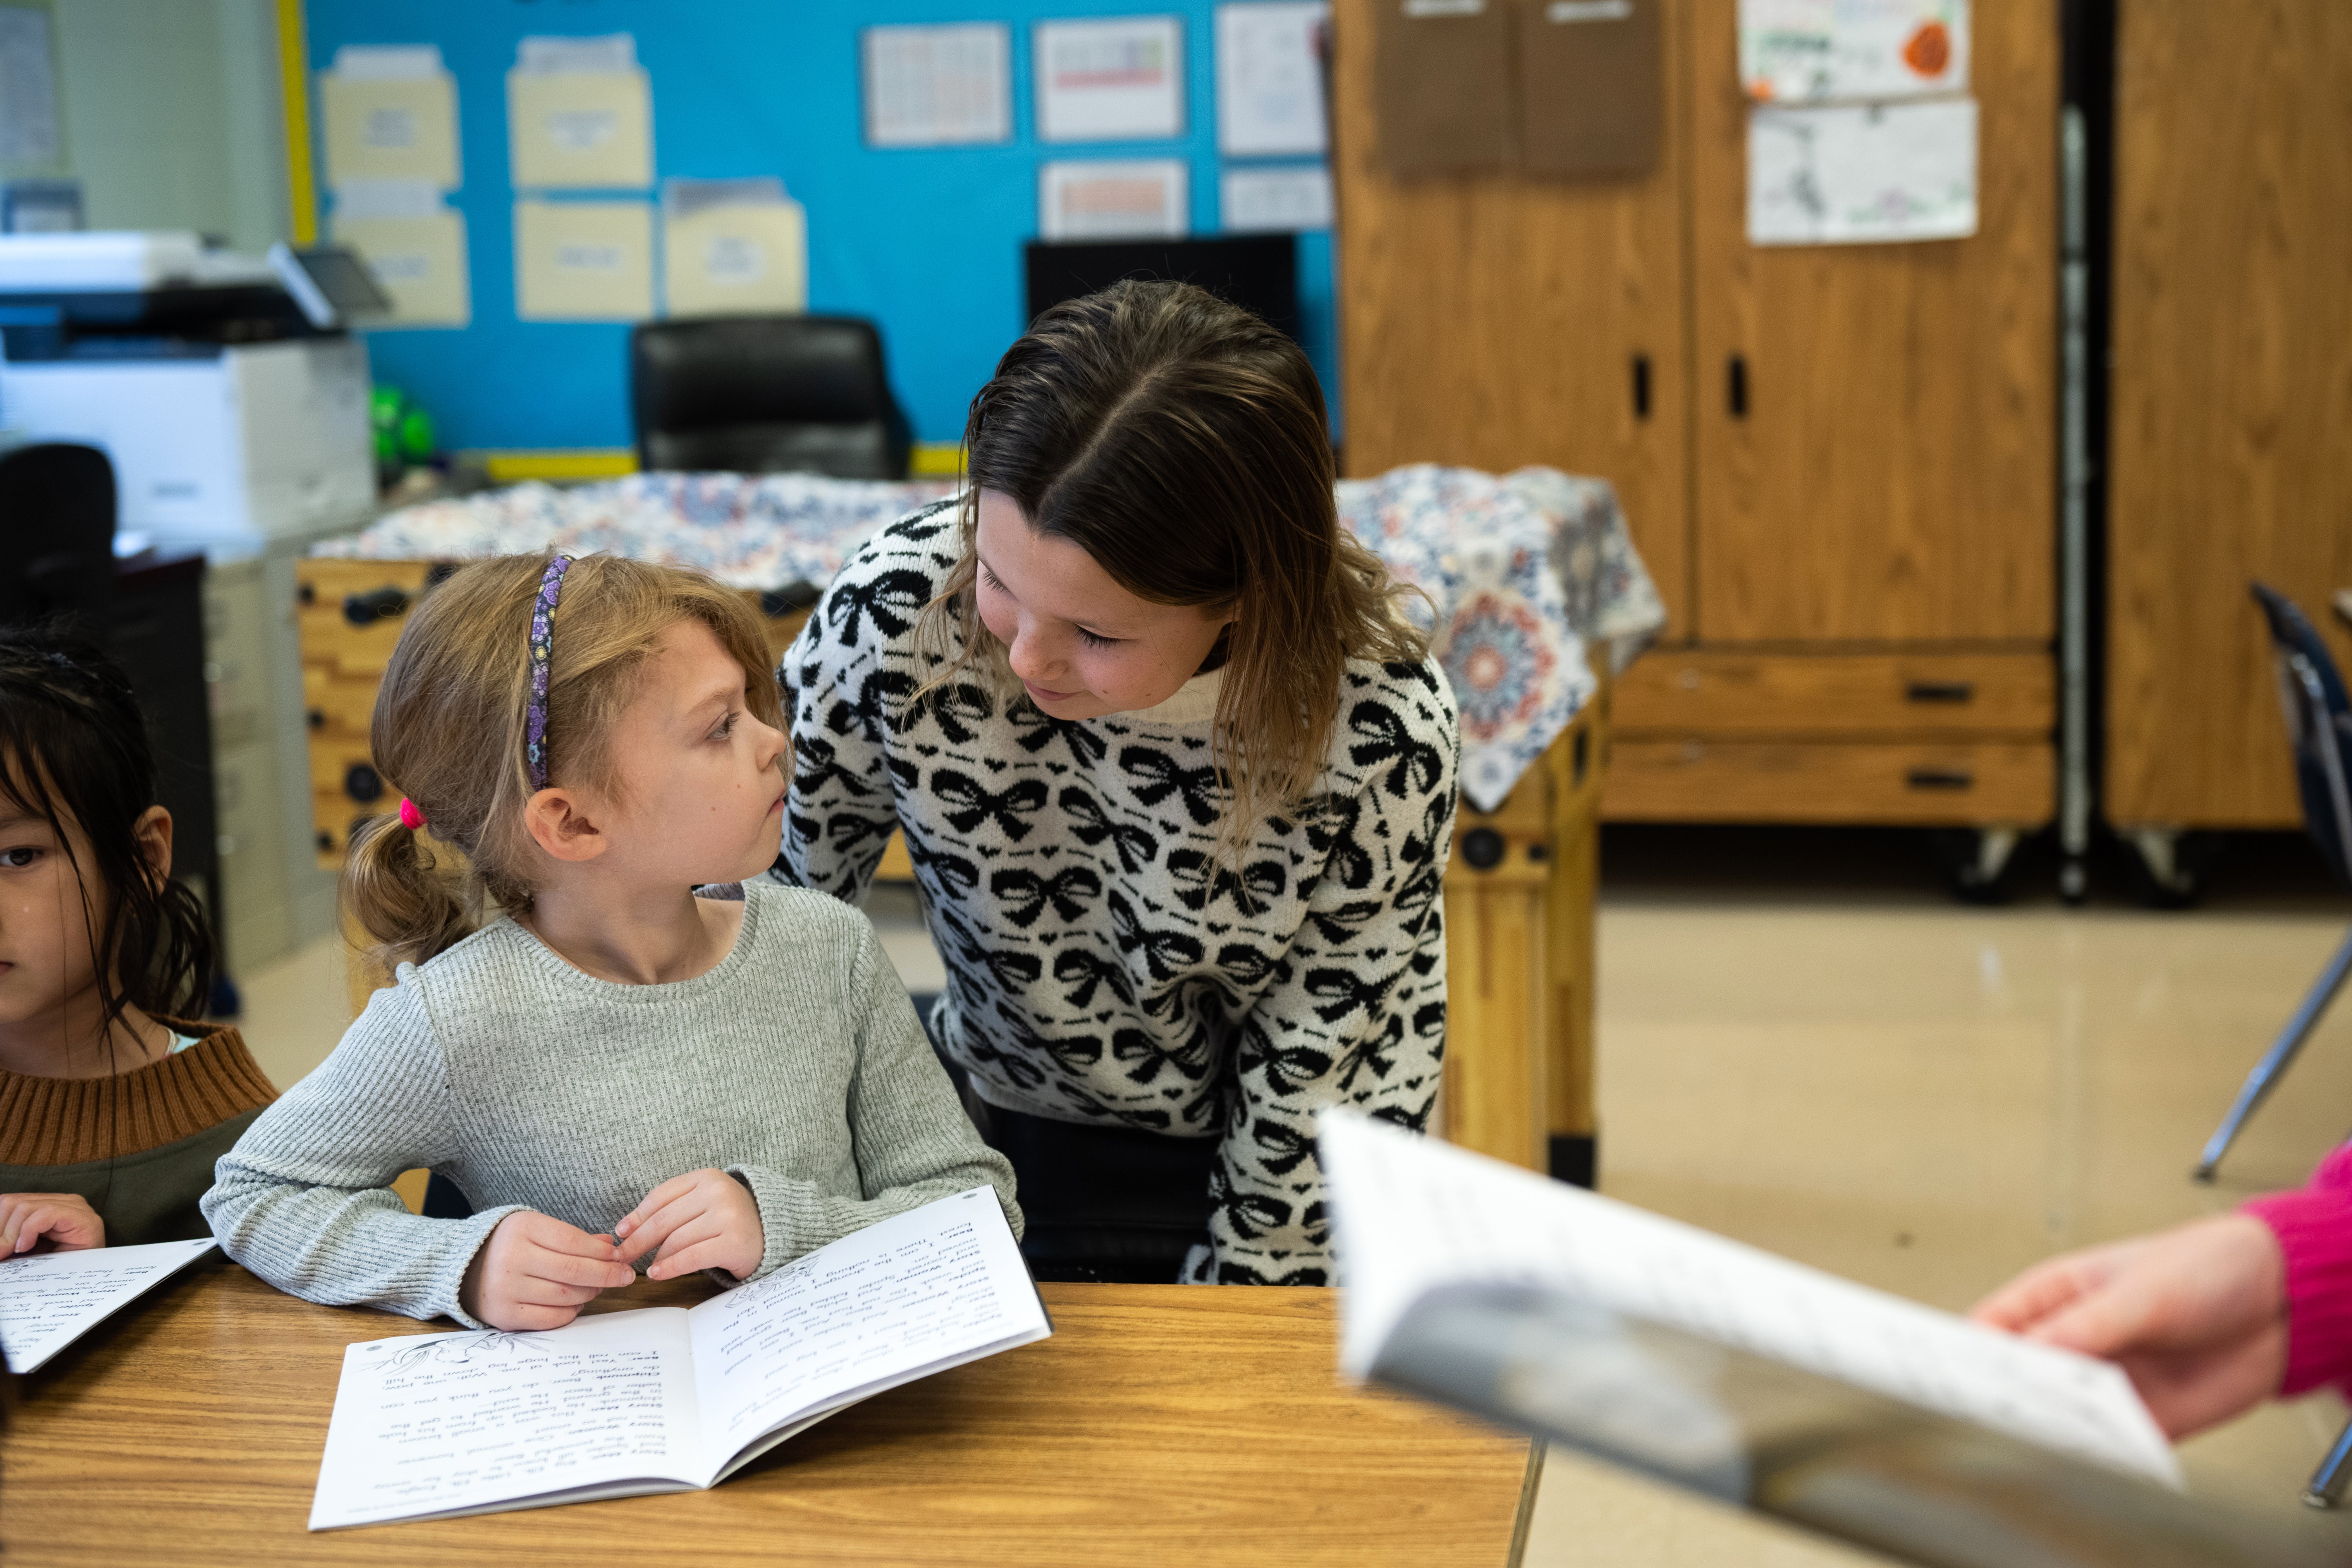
(537, 1272)
(66, 1218)
(704, 1219)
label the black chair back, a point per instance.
(766, 394)
(56, 533)
(2318, 723)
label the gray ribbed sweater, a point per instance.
(796, 1063)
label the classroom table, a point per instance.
(1161, 1423)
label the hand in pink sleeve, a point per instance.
(2313, 1226)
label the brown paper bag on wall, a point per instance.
(1441, 84)
(1591, 73)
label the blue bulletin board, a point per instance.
(927, 241)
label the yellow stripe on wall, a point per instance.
(937, 460)
(294, 79)
(559, 465)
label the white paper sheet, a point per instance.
(1822, 50)
(1858, 174)
(1414, 1213)
(28, 92)
(604, 54)
(1144, 198)
(388, 62)
(1119, 79)
(49, 1299)
(1269, 82)
(1260, 200)
(938, 86)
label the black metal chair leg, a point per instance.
(2325, 1489)
(2276, 1060)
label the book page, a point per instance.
(914, 1294)
(440, 1424)
(1414, 1214)
(49, 1299)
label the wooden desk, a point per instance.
(1161, 1423)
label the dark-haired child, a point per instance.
(114, 1103)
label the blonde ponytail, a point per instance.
(397, 890)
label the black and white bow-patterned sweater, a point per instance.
(1104, 963)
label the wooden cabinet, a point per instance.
(1493, 321)
(1882, 487)
(2230, 393)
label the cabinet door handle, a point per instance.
(1940, 778)
(1640, 386)
(1939, 692)
(385, 604)
(1737, 386)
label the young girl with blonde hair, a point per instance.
(1177, 776)
(613, 1066)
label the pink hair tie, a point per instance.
(410, 817)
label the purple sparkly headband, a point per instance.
(542, 619)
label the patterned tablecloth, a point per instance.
(1523, 568)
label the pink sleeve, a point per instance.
(2313, 1226)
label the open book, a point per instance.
(49, 1299)
(670, 1399)
(1763, 1383)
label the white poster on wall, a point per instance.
(28, 91)
(1276, 201)
(1815, 51)
(1270, 79)
(1145, 198)
(1859, 173)
(938, 86)
(1118, 79)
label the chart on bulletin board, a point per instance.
(530, 181)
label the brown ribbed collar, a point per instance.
(70, 1120)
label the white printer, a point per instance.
(225, 389)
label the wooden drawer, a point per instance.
(330, 637)
(1923, 783)
(337, 706)
(1702, 692)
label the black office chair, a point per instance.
(57, 534)
(767, 395)
(2319, 727)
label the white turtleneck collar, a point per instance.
(1194, 702)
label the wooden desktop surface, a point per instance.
(1161, 1423)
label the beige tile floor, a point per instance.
(1803, 1044)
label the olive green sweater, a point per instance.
(140, 1145)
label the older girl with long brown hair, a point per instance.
(1177, 774)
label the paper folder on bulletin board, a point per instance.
(580, 129)
(584, 261)
(389, 128)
